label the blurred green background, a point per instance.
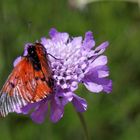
(109, 117)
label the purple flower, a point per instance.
(78, 62)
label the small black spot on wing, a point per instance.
(49, 82)
(43, 79)
(12, 84)
(36, 78)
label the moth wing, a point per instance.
(24, 85)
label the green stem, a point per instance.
(84, 125)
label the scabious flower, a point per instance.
(78, 62)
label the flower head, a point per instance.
(74, 61)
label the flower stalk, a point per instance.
(84, 125)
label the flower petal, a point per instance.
(101, 60)
(101, 48)
(57, 111)
(39, 114)
(53, 32)
(57, 36)
(26, 109)
(79, 103)
(93, 87)
(88, 42)
(102, 73)
(96, 84)
(107, 86)
(17, 60)
(76, 42)
(44, 41)
(62, 98)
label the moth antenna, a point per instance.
(54, 56)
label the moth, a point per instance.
(30, 81)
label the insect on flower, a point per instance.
(37, 75)
(30, 81)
